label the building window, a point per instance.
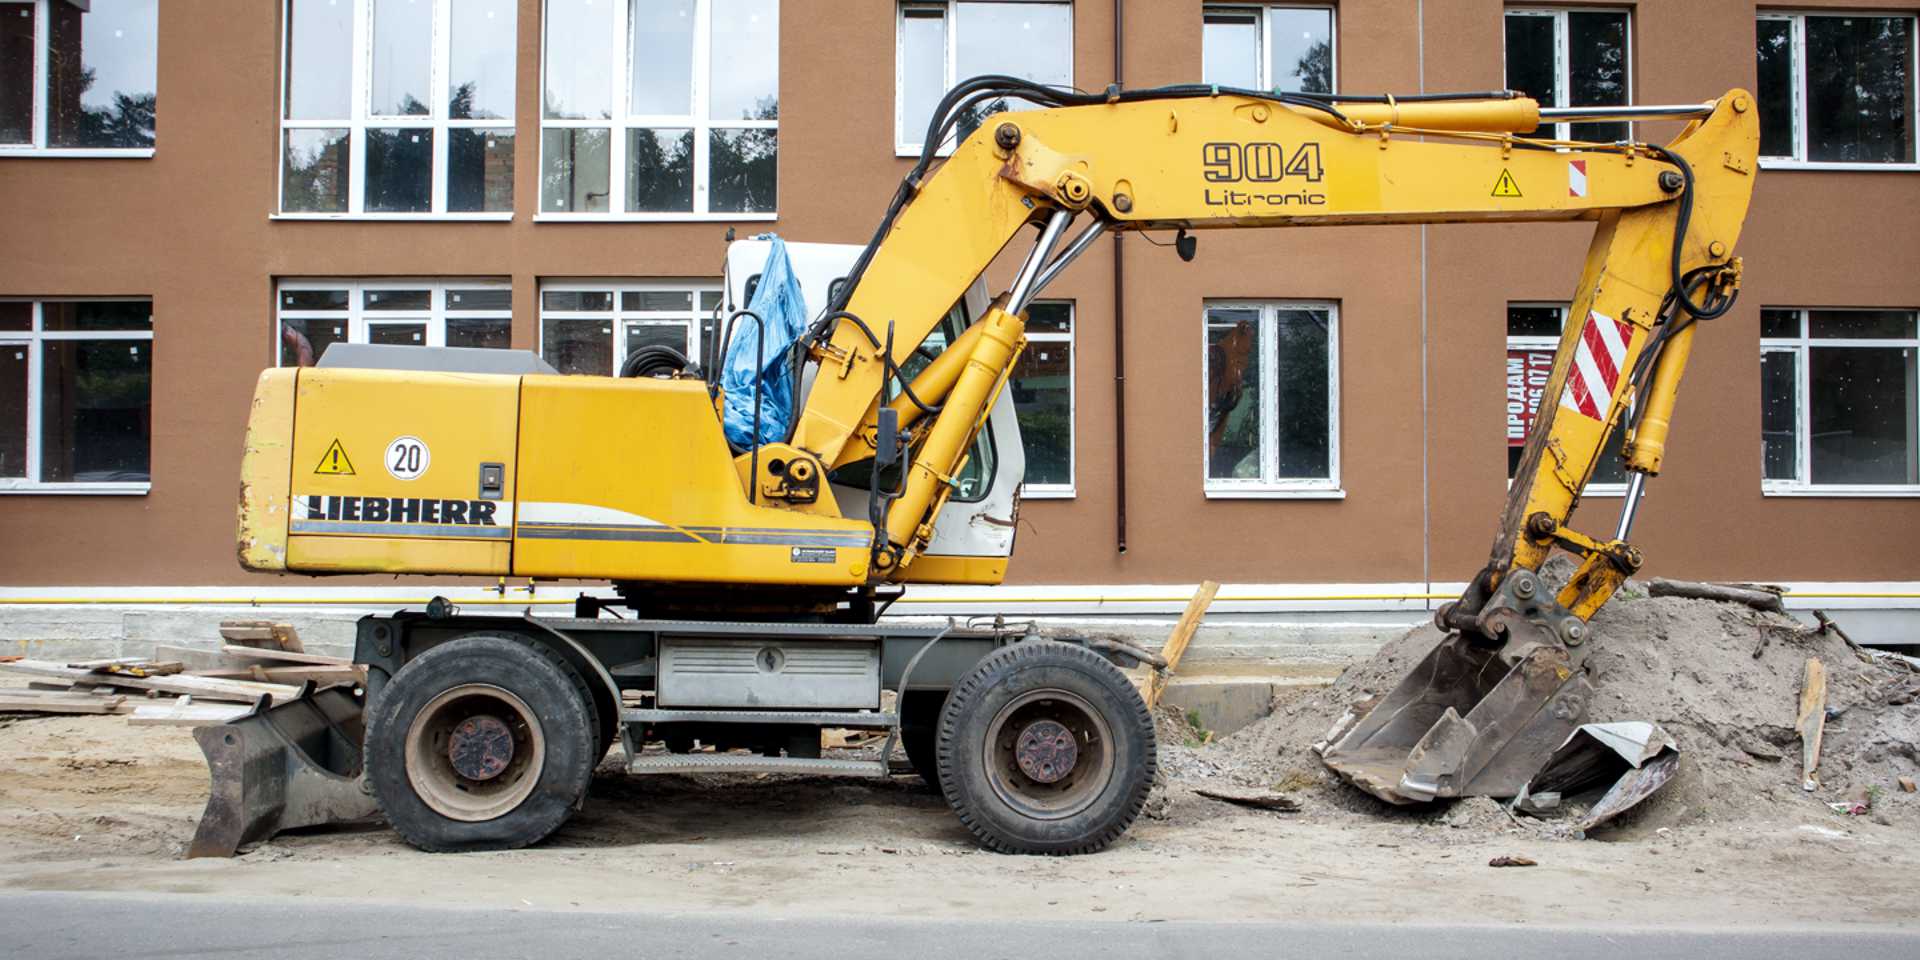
(1288, 48)
(1533, 337)
(660, 110)
(591, 326)
(312, 315)
(1839, 401)
(1572, 58)
(1042, 385)
(76, 396)
(1272, 415)
(78, 78)
(397, 108)
(1836, 89)
(941, 44)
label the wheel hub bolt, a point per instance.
(1046, 751)
(480, 748)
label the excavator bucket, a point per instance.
(280, 767)
(1469, 720)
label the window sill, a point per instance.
(80, 153)
(1276, 493)
(1046, 493)
(1601, 491)
(77, 489)
(654, 217)
(1841, 490)
(1779, 164)
(427, 217)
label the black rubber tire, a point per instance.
(531, 671)
(998, 679)
(920, 732)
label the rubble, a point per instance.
(1697, 668)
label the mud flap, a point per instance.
(277, 768)
(1467, 721)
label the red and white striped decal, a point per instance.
(1576, 178)
(1597, 362)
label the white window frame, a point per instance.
(1266, 12)
(359, 318)
(1802, 485)
(620, 316)
(700, 122)
(1315, 488)
(32, 338)
(1563, 57)
(1552, 345)
(907, 136)
(38, 147)
(1068, 490)
(361, 118)
(1798, 19)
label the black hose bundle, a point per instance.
(654, 360)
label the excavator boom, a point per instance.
(1506, 688)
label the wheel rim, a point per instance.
(475, 752)
(1049, 754)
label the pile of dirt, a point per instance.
(1723, 679)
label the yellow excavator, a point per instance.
(755, 529)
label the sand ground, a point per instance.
(91, 803)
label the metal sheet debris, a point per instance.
(1636, 758)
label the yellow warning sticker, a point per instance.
(334, 462)
(1505, 187)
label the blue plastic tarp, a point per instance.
(779, 306)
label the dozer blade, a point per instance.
(1467, 721)
(277, 768)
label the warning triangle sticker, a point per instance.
(1505, 187)
(334, 462)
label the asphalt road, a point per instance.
(127, 927)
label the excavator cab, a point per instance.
(973, 536)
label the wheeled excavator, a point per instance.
(749, 580)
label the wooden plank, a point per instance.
(288, 656)
(293, 674)
(113, 662)
(144, 669)
(44, 701)
(1183, 631)
(184, 713)
(265, 634)
(1812, 722)
(288, 638)
(201, 658)
(210, 687)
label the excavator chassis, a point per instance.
(483, 731)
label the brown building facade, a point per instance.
(445, 171)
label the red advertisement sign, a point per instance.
(1527, 373)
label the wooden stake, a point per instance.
(1176, 645)
(1812, 721)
